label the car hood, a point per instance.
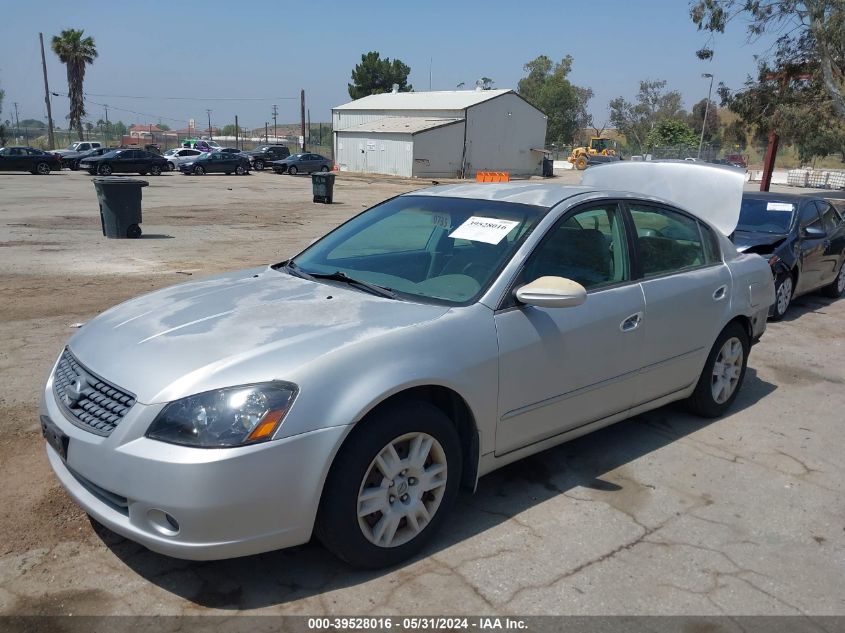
(745, 240)
(242, 327)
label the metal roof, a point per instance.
(541, 195)
(435, 100)
(400, 124)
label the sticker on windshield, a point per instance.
(780, 206)
(443, 220)
(487, 230)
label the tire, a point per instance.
(155, 170)
(74, 166)
(239, 170)
(398, 426)
(784, 290)
(142, 173)
(258, 165)
(133, 231)
(324, 168)
(199, 170)
(170, 166)
(93, 172)
(42, 169)
(104, 170)
(228, 173)
(292, 170)
(581, 163)
(835, 289)
(316, 198)
(711, 399)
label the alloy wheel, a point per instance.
(727, 370)
(784, 294)
(840, 280)
(402, 489)
(42, 168)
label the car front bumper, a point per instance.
(226, 502)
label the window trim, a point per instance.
(635, 254)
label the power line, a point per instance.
(93, 94)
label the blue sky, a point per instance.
(265, 50)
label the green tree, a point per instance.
(653, 104)
(375, 75)
(696, 120)
(2, 125)
(227, 130)
(35, 124)
(547, 87)
(75, 52)
(119, 129)
(671, 132)
(819, 24)
(487, 83)
(164, 127)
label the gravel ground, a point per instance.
(663, 513)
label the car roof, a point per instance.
(537, 194)
(785, 197)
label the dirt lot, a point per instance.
(663, 513)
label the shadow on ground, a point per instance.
(807, 304)
(280, 577)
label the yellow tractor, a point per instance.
(600, 150)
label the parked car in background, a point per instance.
(350, 392)
(230, 150)
(71, 160)
(125, 161)
(216, 163)
(302, 163)
(179, 155)
(29, 159)
(78, 146)
(802, 238)
(265, 154)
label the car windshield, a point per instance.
(765, 215)
(446, 250)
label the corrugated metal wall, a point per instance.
(374, 153)
(342, 119)
(438, 152)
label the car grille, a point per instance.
(93, 404)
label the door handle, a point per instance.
(720, 293)
(632, 322)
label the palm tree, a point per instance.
(75, 51)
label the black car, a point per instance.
(803, 238)
(260, 156)
(125, 161)
(72, 159)
(230, 150)
(304, 163)
(30, 159)
(216, 162)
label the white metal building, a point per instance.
(439, 134)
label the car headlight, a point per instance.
(225, 417)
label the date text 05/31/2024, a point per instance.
(415, 623)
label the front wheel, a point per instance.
(292, 170)
(391, 486)
(239, 170)
(723, 373)
(42, 169)
(835, 289)
(784, 289)
(259, 165)
(155, 170)
(324, 168)
(170, 166)
(199, 171)
(104, 170)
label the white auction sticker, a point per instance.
(488, 230)
(780, 206)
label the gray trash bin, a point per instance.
(120, 205)
(322, 186)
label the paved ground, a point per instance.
(663, 513)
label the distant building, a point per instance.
(144, 131)
(445, 134)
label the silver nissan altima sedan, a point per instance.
(350, 391)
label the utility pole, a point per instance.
(302, 116)
(108, 130)
(236, 132)
(50, 137)
(308, 125)
(275, 114)
(706, 108)
(17, 123)
(210, 135)
(266, 132)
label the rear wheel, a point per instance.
(324, 168)
(239, 170)
(199, 171)
(834, 290)
(391, 485)
(292, 170)
(170, 166)
(581, 163)
(723, 373)
(258, 164)
(104, 170)
(784, 289)
(155, 170)
(42, 169)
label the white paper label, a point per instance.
(487, 230)
(780, 206)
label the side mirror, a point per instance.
(814, 232)
(552, 292)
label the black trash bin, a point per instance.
(548, 167)
(322, 186)
(120, 205)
